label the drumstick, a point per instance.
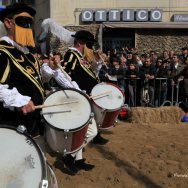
(101, 94)
(103, 61)
(57, 112)
(64, 72)
(51, 105)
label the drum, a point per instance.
(22, 163)
(67, 121)
(107, 104)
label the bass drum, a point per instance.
(22, 163)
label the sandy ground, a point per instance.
(148, 152)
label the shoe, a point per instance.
(80, 164)
(69, 162)
(100, 140)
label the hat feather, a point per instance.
(2, 30)
(49, 25)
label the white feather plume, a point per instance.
(49, 25)
(2, 30)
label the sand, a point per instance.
(148, 151)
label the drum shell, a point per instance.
(65, 142)
(105, 119)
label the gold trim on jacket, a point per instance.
(31, 78)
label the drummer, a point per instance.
(53, 70)
(21, 88)
(78, 64)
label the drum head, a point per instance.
(111, 101)
(21, 165)
(70, 116)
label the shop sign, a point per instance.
(126, 15)
(180, 17)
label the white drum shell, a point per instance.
(59, 141)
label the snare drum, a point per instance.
(106, 107)
(22, 163)
(66, 125)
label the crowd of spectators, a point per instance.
(148, 79)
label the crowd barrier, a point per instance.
(153, 93)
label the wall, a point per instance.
(67, 12)
(161, 39)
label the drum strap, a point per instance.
(90, 72)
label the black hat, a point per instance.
(84, 35)
(184, 48)
(16, 8)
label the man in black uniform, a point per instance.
(20, 85)
(80, 71)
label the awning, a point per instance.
(149, 25)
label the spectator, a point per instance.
(176, 66)
(184, 54)
(184, 73)
(161, 82)
(165, 55)
(119, 72)
(171, 54)
(132, 74)
(148, 73)
(153, 57)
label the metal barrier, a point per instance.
(151, 93)
(174, 99)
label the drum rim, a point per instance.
(110, 110)
(43, 164)
(75, 129)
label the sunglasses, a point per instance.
(24, 21)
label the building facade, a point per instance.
(145, 25)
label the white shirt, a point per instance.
(63, 80)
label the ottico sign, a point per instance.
(126, 15)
